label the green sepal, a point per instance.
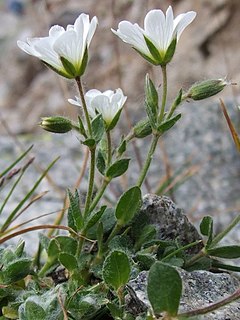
(69, 67)
(118, 168)
(114, 120)
(149, 59)
(83, 63)
(142, 129)
(154, 51)
(128, 205)
(98, 129)
(168, 124)
(170, 51)
(61, 73)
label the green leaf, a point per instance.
(9, 312)
(206, 228)
(168, 124)
(68, 261)
(75, 219)
(118, 168)
(101, 162)
(90, 143)
(81, 127)
(122, 147)
(98, 128)
(146, 234)
(128, 205)
(222, 234)
(15, 271)
(53, 250)
(19, 249)
(151, 101)
(226, 252)
(116, 269)
(34, 311)
(164, 288)
(94, 218)
(66, 244)
(145, 260)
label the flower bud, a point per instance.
(56, 124)
(142, 129)
(205, 89)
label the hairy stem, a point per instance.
(164, 94)
(84, 105)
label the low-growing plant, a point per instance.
(85, 272)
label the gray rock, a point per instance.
(200, 289)
(170, 221)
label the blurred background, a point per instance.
(196, 164)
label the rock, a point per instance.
(200, 289)
(170, 221)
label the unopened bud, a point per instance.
(56, 124)
(142, 129)
(205, 89)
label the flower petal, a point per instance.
(133, 35)
(155, 28)
(47, 54)
(66, 46)
(182, 21)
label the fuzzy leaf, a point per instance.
(118, 168)
(94, 218)
(101, 162)
(68, 261)
(97, 128)
(75, 219)
(128, 205)
(164, 288)
(168, 124)
(15, 271)
(116, 269)
(226, 252)
(206, 228)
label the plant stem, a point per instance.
(164, 94)
(90, 182)
(84, 105)
(147, 163)
(115, 230)
(99, 194)
(213, 306)
(195, 258)
(109, 148)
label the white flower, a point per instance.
(107, 103)
(65, 51)
(157, 41)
